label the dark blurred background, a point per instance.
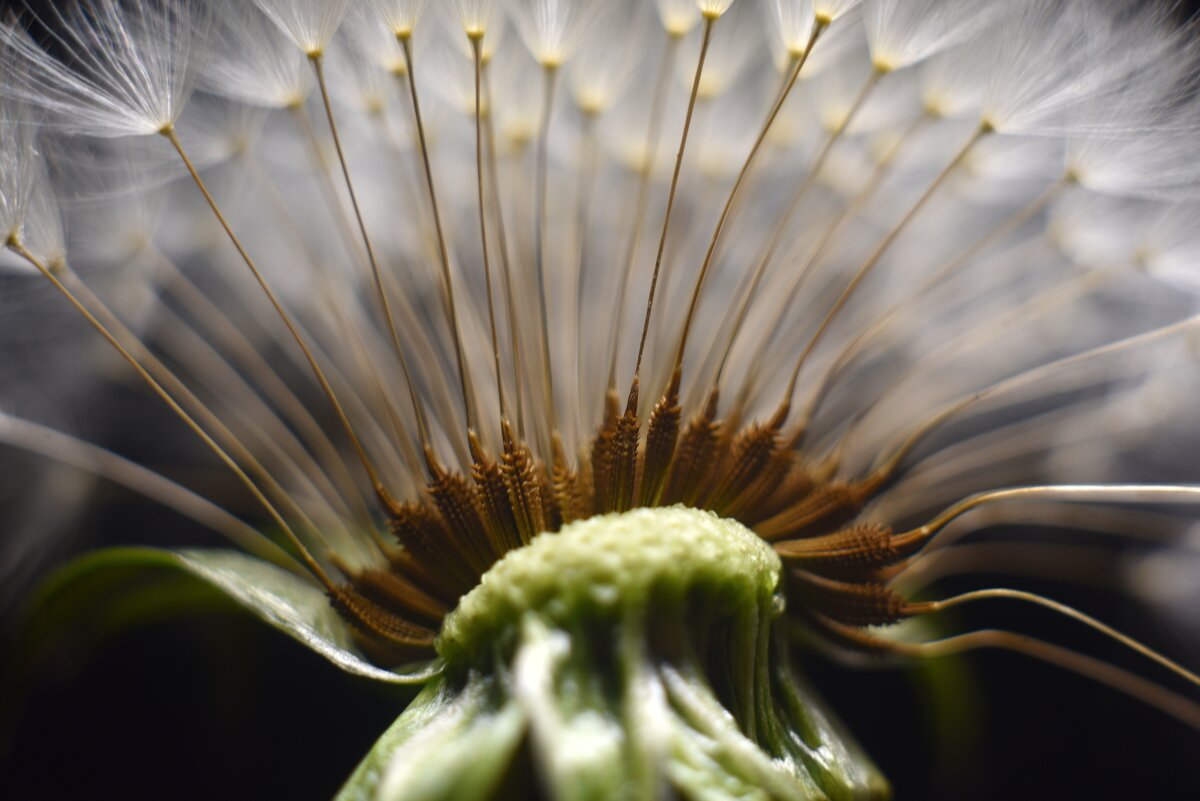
(218, 706)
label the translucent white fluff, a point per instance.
(1170, 245)
(610, 55)
(678, 16)
(1158, 164)
(454, 65)
(126, 68)
(713, 8)
(251, 61)
(400, 16)
(364, 62)
(949, 85)
(43, 232)
(378, 45)
(447, 32)
(310, 24)
(793, 22)
(553, 29)
(215, 130)
(18, 168)
(1140, 141)
(516, 109)
(1051, 67)
(829, 10)
(839, 41)
(1099, 231)
(736, 47)
(903, 32)
(475, 16)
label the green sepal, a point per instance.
(449, 745)
(564, 721)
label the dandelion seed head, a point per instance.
(553, 29)
(678, 16)
(793, 22)
(252, 61)
(948, 85)
(455, 67)
(902, 32)
(18, 166)
(476, 16)
(399, 16)
(1151, 165)
(216, 131)
(730, 56)
(853, 277)
(376, 44)
(43, 232)
(516, 110)
(126, 69)
(309, 24)
(1169, 246)
(609, 56)
(712, 9)
(366, 61)
(829, 10)
(118, 229)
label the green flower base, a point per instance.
(631, 656)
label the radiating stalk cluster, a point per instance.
(586, 355)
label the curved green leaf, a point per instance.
(114, 588)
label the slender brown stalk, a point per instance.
(326, 387)
(221, 329)
(443, 251)
(514, 331)
(541, 179)
(889, 465)
(709, 24)
(814, 169)
(873, 260)
(658, 107)
(583, 196)
(104, 463)
(868, 333)
(477, 51)
(776, 107)
(1170, 703)
(17, 247)
(377, 276)
(998, 593)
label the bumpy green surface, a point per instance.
(611, 564)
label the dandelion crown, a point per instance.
(587, 353)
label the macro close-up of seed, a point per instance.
(599, 399)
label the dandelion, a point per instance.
(583, 376)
